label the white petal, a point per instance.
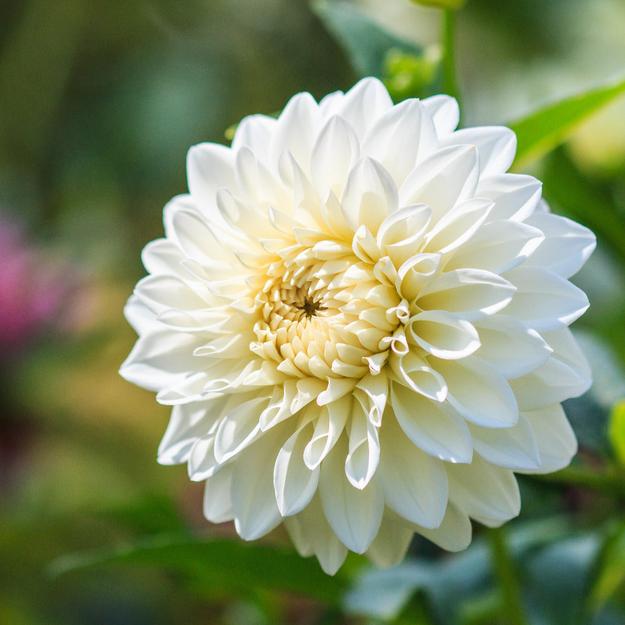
(164, 293)
(363, 103)
(198, 239)
(454, 533)
(446, 177)
(210, 167)
(510, 347)
(566, 247)
(364, 448)
(330, 103)
(335, 152)
(443, 335)
(397, 138)
(511, 448)
(328, 427)
(554, 436)
(497, 246)
(296, 129)
(160, 359)
(566, 349)
(163, 257)
(444, 112)
(217, 504)
(433, 427)
(457, 226)
(254, 132)
(187, 424)
(253, 499)
(391, 543)
(294, 483)
(516, 196)
(414, 483)
(484, 492)
(415, 373)
(478, 392)
(401, 234)
(202, 464)
(239, 427)
(370, 195)
(550, 383)
(496, 146)
(140, 317)
(354, 515)
(544, 300)
(311, 534)
(471, 293)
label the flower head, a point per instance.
(360, 320)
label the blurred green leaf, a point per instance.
(408, 75)
(609, 570)
(216, 564)
(616, 431)
(584, 201)
(449, 582)
(546, 128)
(441, 4)
(365, 42)
(556, 579)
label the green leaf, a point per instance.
(581, 199)
(412, 76)
(609, 573)
(449, 582)
(365, 42)
(544, 129)
(616, 431)
(215, 564)
(442, 4)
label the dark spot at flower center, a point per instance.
(310, 307)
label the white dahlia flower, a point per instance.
(360, 320)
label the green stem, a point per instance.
(609, 480)
(448, 40)
(506, 575)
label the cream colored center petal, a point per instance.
(326, 318)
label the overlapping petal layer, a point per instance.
(360, 321)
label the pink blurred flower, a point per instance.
(35, 291)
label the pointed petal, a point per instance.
(391, 543)
(484, 492)
(311, 534)
(567, 245)
(294, 483)
(554, 436)
(511, 448)
(544, 300)
(354, 515)
(444, 112)
(479, 392)
(496, 146)
(441, 180)
(414, 483)
(217, 504)
(437, 430)
(471, 293)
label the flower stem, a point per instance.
(609, 480)
(448, 40)
(508, 580)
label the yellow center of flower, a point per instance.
(326, 317)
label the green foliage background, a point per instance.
(99, 103)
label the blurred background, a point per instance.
(99, 102)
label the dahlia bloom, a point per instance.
(360, 320)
